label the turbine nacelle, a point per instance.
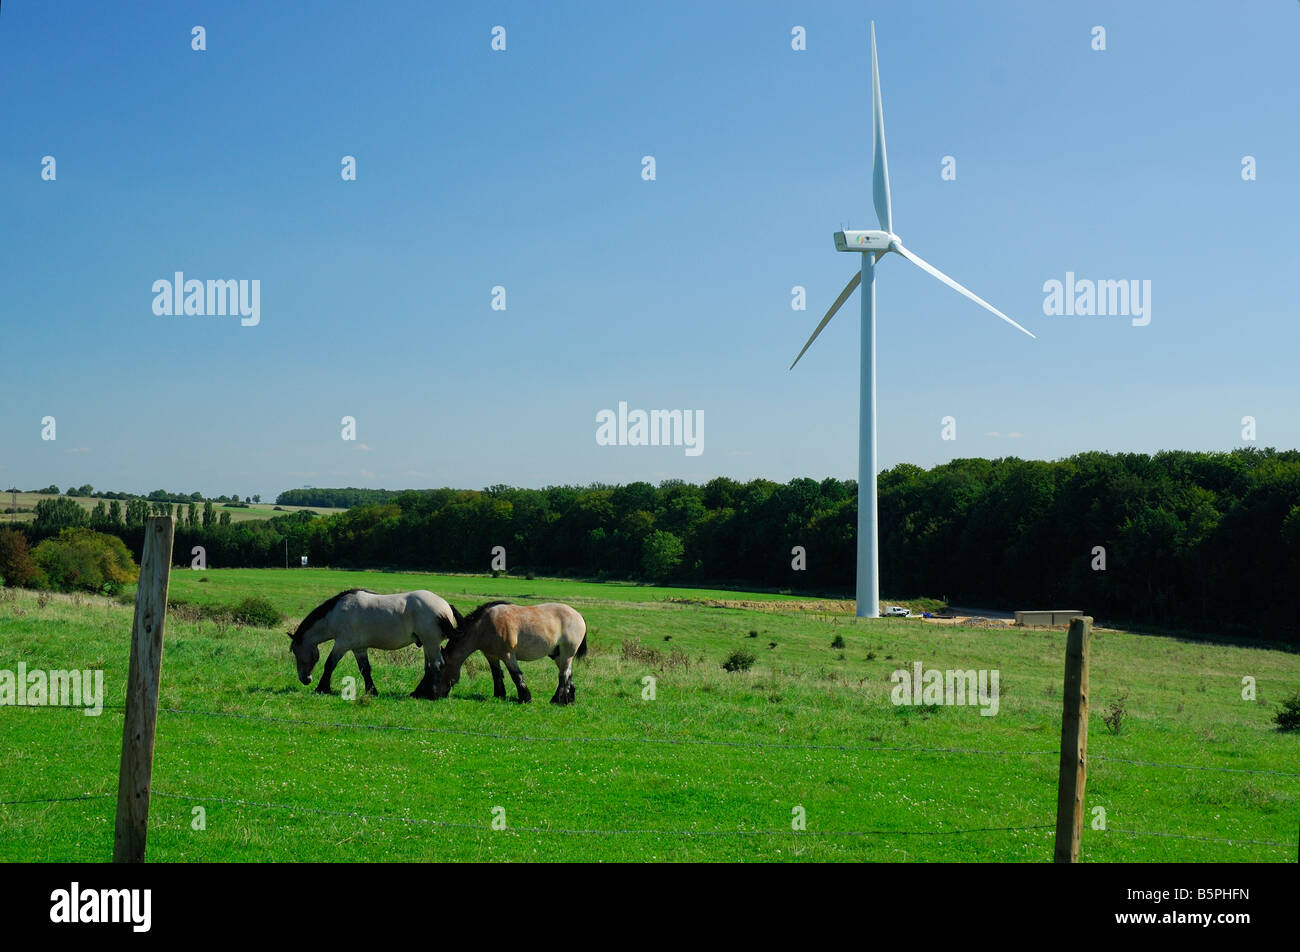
(879, 241)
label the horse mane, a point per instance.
(472, 618)
(449, 628)
(321, 610)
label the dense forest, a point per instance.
(1206, 542)
(334, 498)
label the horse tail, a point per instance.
(449, 626)
(582, 648)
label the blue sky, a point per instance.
(522, 169)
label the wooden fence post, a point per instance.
(136, 770)
(1074, 742)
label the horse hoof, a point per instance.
(525, 696)
(372, 692)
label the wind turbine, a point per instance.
(874, 245)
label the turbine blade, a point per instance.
(880, 167)
(839, 302)
(926, 266)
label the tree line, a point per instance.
(334, 498)
(1205, 542)
(158, 495)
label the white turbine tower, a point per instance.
(873, 245)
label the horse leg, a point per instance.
(498, 679)
(564, 689)
(428, 682)
(363, 665)
(330, 662)
(525, 695)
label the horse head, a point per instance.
(305, 655)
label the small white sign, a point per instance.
(304, 561)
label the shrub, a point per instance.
(739, 660)
(633, 650)
(183, 611)
(256, 613)
(677, 658)
(1113, 716)
(837, 641)
(85, 559)
(1288, 719)
(16, 565)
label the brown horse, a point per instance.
(514, 633)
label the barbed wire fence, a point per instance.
(668, 741)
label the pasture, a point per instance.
(26, 503)
(710, 769)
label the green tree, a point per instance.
(208, 513)
(662, 553)
(53, 515)
(16, 565)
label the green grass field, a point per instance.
(264, 510)
(711, 769)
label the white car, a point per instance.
(898, 612)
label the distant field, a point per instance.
(712, 768)
(264, 510)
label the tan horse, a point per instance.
(513, 633)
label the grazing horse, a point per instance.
(514, 633)
(359, 619)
